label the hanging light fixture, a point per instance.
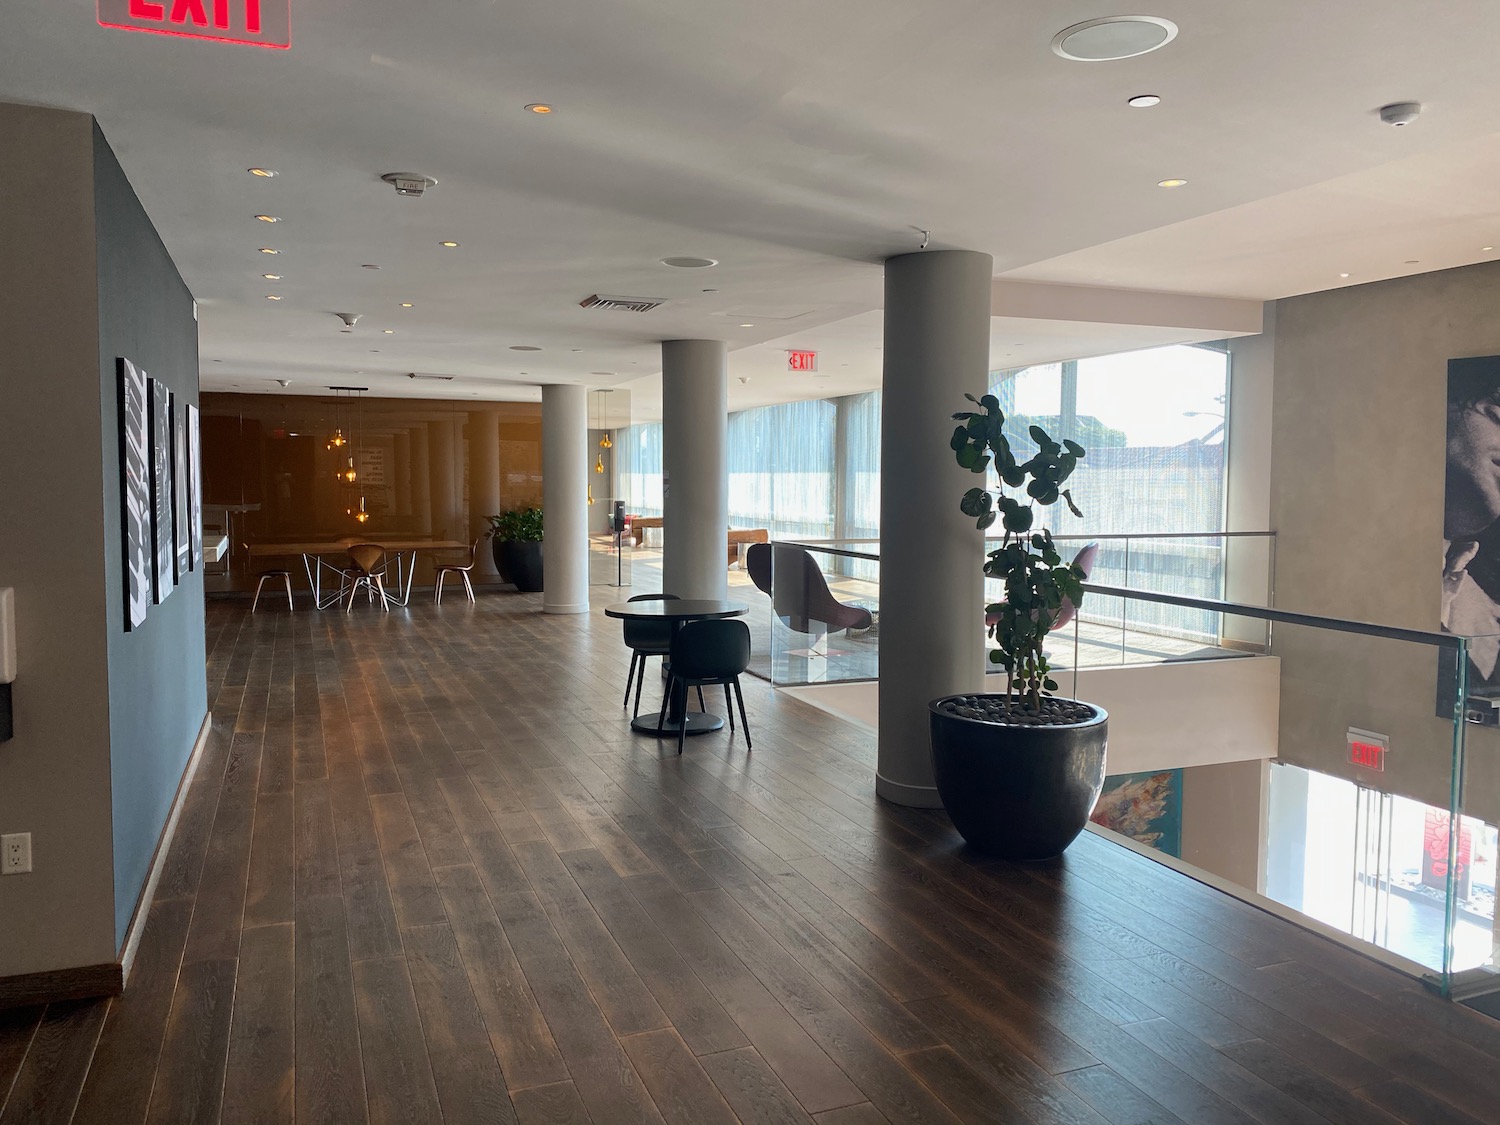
(337, 439)
(347, 472)
(604, 442)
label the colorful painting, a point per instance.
(135, 493)
(1147, 807)
(163, 556)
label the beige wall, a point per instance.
(1223, 820)
(55, 774)
(1357, 498)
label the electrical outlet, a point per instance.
(15, 853)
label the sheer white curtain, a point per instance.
(640, 468)
(781, 464)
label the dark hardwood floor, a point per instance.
(427, 874)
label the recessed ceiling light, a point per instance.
(263, 173)
(1143, 101)
(268, 250)
(272, 297)
(1486, 249)
(269, 218)
(524, 348)
(271, 276)
(687, 262)
(747, 326)
(450, 245)
(1174, 182)
(390, 331)
(369, 266)
(406, 304)
(538, 107)
(1343, 275)
(1113, 37)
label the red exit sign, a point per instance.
(260, 23)
(801, 361)
(1367, 749)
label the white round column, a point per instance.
(695, 468)
(565, 512)
(937, 347)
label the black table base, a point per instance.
(698, 722)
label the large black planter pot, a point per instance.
(1018, 792)
(519, 562)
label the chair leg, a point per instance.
(258, 586)
(744, 722)
(437, 589)
(701, 705)
(468, 586)
(666, 700)
(353, 590)
(630, 677)
(682, 726)
(729, 708)
(290, 608)
(640, 680)
(380, 586)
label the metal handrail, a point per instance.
(1282, 616)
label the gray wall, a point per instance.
(82, 685)
(157, 687)
(1359, 427)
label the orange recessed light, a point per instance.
(538, 107)
(448, 244)
(263, 173)
(268, 250)
(1174, 182)
(269, 218)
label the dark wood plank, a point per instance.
(271, 882)
(752, 1089)
(17, 1026)
(330, 1076)
(678, 1085)
(259, 1078)
(470, 1084)
(518, 1032)
(46, 1086)
(962, 1088)
(862, 1114)
(557, 1104)
(398, 1076)
(413, 889)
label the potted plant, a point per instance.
(516, 541)
(1020, 771)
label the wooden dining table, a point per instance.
(679, 612)
(314, 562)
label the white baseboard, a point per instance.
(159, 857)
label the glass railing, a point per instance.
(1313, 766)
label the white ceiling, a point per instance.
(799, 144)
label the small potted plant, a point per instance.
(516, 541)
(1020, 771)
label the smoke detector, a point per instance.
(409, 184)
(1400, 113)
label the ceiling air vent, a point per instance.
(628, 304)
(435, 378)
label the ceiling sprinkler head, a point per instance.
(349, 319)
(744, 379)
(285, 382)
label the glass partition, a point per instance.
(1319, 768)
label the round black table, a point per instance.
(679, 613)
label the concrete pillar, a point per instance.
(565, 482)
(421, 479)
(401, 455)
(484, 483)
(695, 467)
(442, 436)
(937, 345)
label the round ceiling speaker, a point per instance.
(689, 263)
(1113, 37)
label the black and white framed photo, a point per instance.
(135, 492)
(183, 561)
(1471, 537)
(162, 556)
(195, 488)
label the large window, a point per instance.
(781, 469)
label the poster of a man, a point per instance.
(1471, 536)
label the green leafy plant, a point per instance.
(519, 525)
(1037, 581)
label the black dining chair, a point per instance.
(709, 652)
(645, 639)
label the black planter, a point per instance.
(520, 562)
(1018, 792)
